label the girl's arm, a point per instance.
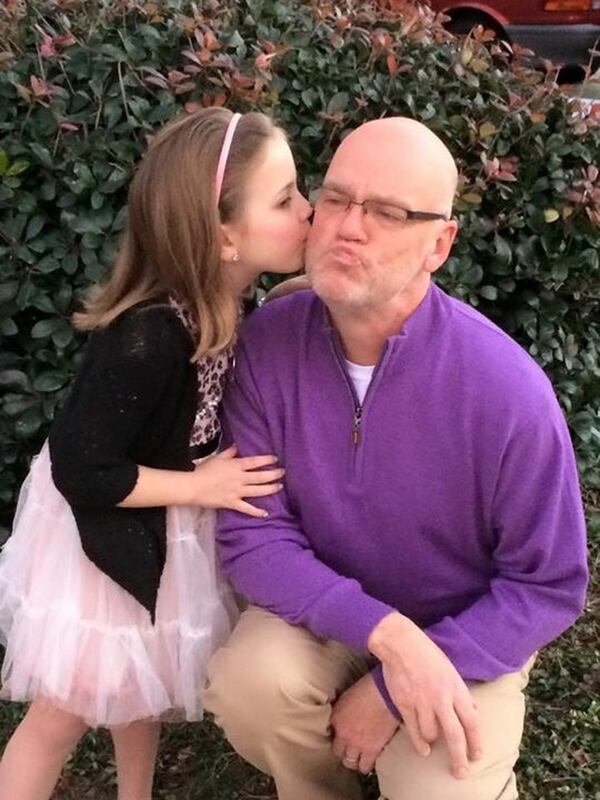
(221, 481)
(121, 383)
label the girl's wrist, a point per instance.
(187, 488)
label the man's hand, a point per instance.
(427, 691)
(362, 725)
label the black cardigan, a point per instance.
(133, 402)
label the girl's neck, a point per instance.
(238, 279)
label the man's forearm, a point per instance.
(274, 568)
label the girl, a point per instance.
(110, 604)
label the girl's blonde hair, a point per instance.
(172, 240)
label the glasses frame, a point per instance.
(368, 201)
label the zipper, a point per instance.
(357, 418)
(356, 425)
(358, 407)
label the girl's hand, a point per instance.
(223, 481)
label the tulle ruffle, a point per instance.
(76, 638)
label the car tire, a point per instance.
(463, 22)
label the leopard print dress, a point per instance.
(212, 372)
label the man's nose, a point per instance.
(352, 223)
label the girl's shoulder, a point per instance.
(150, 329)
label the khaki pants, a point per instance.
(271, 689)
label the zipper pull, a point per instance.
(356, 425)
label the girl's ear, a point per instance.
(229, 250)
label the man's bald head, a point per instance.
(364, 256)
(409, 154)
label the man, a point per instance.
(430, 536)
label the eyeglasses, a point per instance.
(331, 201)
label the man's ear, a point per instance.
(229, 249)
(443, 245)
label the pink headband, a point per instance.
(225, 154)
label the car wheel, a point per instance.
(462, 22)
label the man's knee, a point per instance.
(404, 775)
(252, 683)
(257, 681)
(449, 788)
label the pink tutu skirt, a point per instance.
(76, 638)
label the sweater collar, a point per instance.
(413, 327)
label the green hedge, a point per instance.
(83, 85)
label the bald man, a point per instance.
(429, 538)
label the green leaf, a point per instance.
(339, 102)
(86, 223)
(560, 272)
(84, 173)
(15, 225)
(42, 302)
(49, 381)
(42, 154)
(14, 405)
(70, 263)
(17, 167)
(503, 249)
(45, 327)
(8, 291)
(308, 97)
(63, 337)
(34, 226)
(47, 265)
(489, 292)
(29, 423)
(113, 53)
(3, 162)
(14, 379)
(48, 189)
(8, 327)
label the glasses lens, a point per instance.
(332, 201)
(385, 214)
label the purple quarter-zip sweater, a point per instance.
(450, 496)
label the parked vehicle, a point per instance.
(563, 31)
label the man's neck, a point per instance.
(363, 332)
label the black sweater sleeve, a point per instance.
(127, 368)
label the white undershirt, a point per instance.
(361, 378)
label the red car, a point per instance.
(563, 31)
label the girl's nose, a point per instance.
(308, 210)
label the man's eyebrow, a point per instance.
(338, 187)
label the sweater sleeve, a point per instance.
(127, 367)
(538, 589)
(271, 561)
